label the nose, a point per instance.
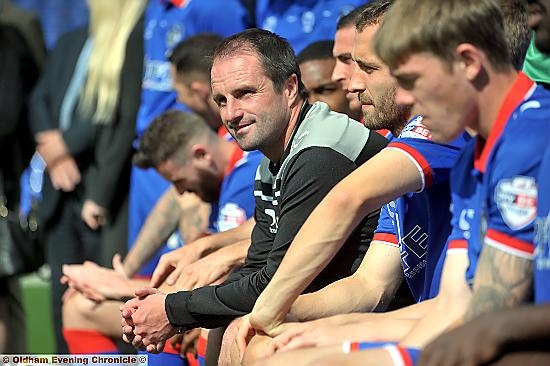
(403, 97)
(357, 81)
(233, 112)
(338, 73)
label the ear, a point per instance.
(470, 60)
(200, 154)
(291, 89)
(201, 88)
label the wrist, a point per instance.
(203, 247)
(130, 268)
(57, 160)
(232, 255)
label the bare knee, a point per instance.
(78, 312)
(229, 353)
(256, 349)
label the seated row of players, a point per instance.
(493, 184)
(421, 166)
(106, 327)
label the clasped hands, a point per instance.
(144, 322)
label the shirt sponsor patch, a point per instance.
(516, 199)
(416, 130)
(231, 216)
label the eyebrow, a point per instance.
(405, 79)
(366, 64)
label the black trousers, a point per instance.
(68, 241)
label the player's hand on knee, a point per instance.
(245, 332)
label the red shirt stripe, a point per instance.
(458, 244)
(420, 160)
(386, 237)
(515, 96)
(511, 242)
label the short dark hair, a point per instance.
(516, 30)
(350, 18)
(167, 136)
(319, 50)
(372, 14)
(437, 27)
(194, 54)
(274, 53)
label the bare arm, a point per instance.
(513, 336)
(370, 288)
(448, 307)
(161, 222)
(502, 281)
(229, 237)
(329, 225)
(214, 268)
(172, 265)
(194, 216)
(369, 327)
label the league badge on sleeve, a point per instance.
(516, 199)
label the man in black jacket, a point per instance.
(256, 84)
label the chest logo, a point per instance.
(516, 200)
(274, 220)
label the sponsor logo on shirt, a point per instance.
(516, 200)
(157, 76)
(275, 220)
(415, 129)
(231, 216)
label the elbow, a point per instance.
(341, 199)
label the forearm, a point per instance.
(161, 222)
(194, 215)
(313, 247)
(331, 223)
(217, 241)
(443, 316)
(348, 295)
(210, 306)
(527, 324)
(235, 253)
(525, 358)
(133, 284)
(502, 281)
(448, 308)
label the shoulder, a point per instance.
(324, 128)
(316, 163)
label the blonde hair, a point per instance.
(438, 26)
(111, 22)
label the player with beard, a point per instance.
(411, 234)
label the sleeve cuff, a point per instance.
(175, 306)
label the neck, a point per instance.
(491, 98)
(398, 127)
(400, 122)
(275, 153)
